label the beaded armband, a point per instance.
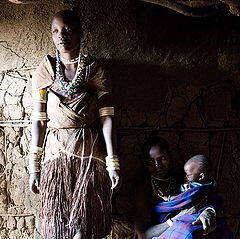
(40, 95)
(35, 158)
(112, 163)
(106, 111)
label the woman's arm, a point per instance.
(109, 135)
(107, 125)
(39, 125)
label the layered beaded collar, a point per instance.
(81, 75)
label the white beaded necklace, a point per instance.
(72, 61)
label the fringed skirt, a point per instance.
(75, 195)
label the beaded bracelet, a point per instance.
(34, 159)
(112, 163)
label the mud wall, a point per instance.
(172, 75)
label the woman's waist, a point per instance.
(81, 142)
(66, 137)
(54, 124)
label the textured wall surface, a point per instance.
(175, 76)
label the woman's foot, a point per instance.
(78, 235)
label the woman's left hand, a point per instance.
(208, 220)
(115, 178)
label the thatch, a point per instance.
(200, 8)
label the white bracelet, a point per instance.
(169, 222)
(112, 162)
(35, 158)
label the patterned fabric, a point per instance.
(182, 228)
(187, 199)
(75, 187)
(184, 187)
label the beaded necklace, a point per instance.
(79, 79)
(158, 188)
(69, 62)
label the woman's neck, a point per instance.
(70, 58)
(69, 55)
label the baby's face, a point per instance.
(192, 172)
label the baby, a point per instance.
(197, 175)
(196, 168)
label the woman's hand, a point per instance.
(34, 180)
(208, 220)
(115, 178)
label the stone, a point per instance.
(11, 223)
(20, 223)
(13, 112)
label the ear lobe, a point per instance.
(201, 176)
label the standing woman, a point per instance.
(72, 95)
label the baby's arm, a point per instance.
(168, 198)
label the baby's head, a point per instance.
(196, 168)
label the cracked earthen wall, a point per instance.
(172, 75)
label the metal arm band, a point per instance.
(39, 116)
(106, 111)
(101, 93)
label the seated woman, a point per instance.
(198, 193)
(162, 181)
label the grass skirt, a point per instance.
(75, 194)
